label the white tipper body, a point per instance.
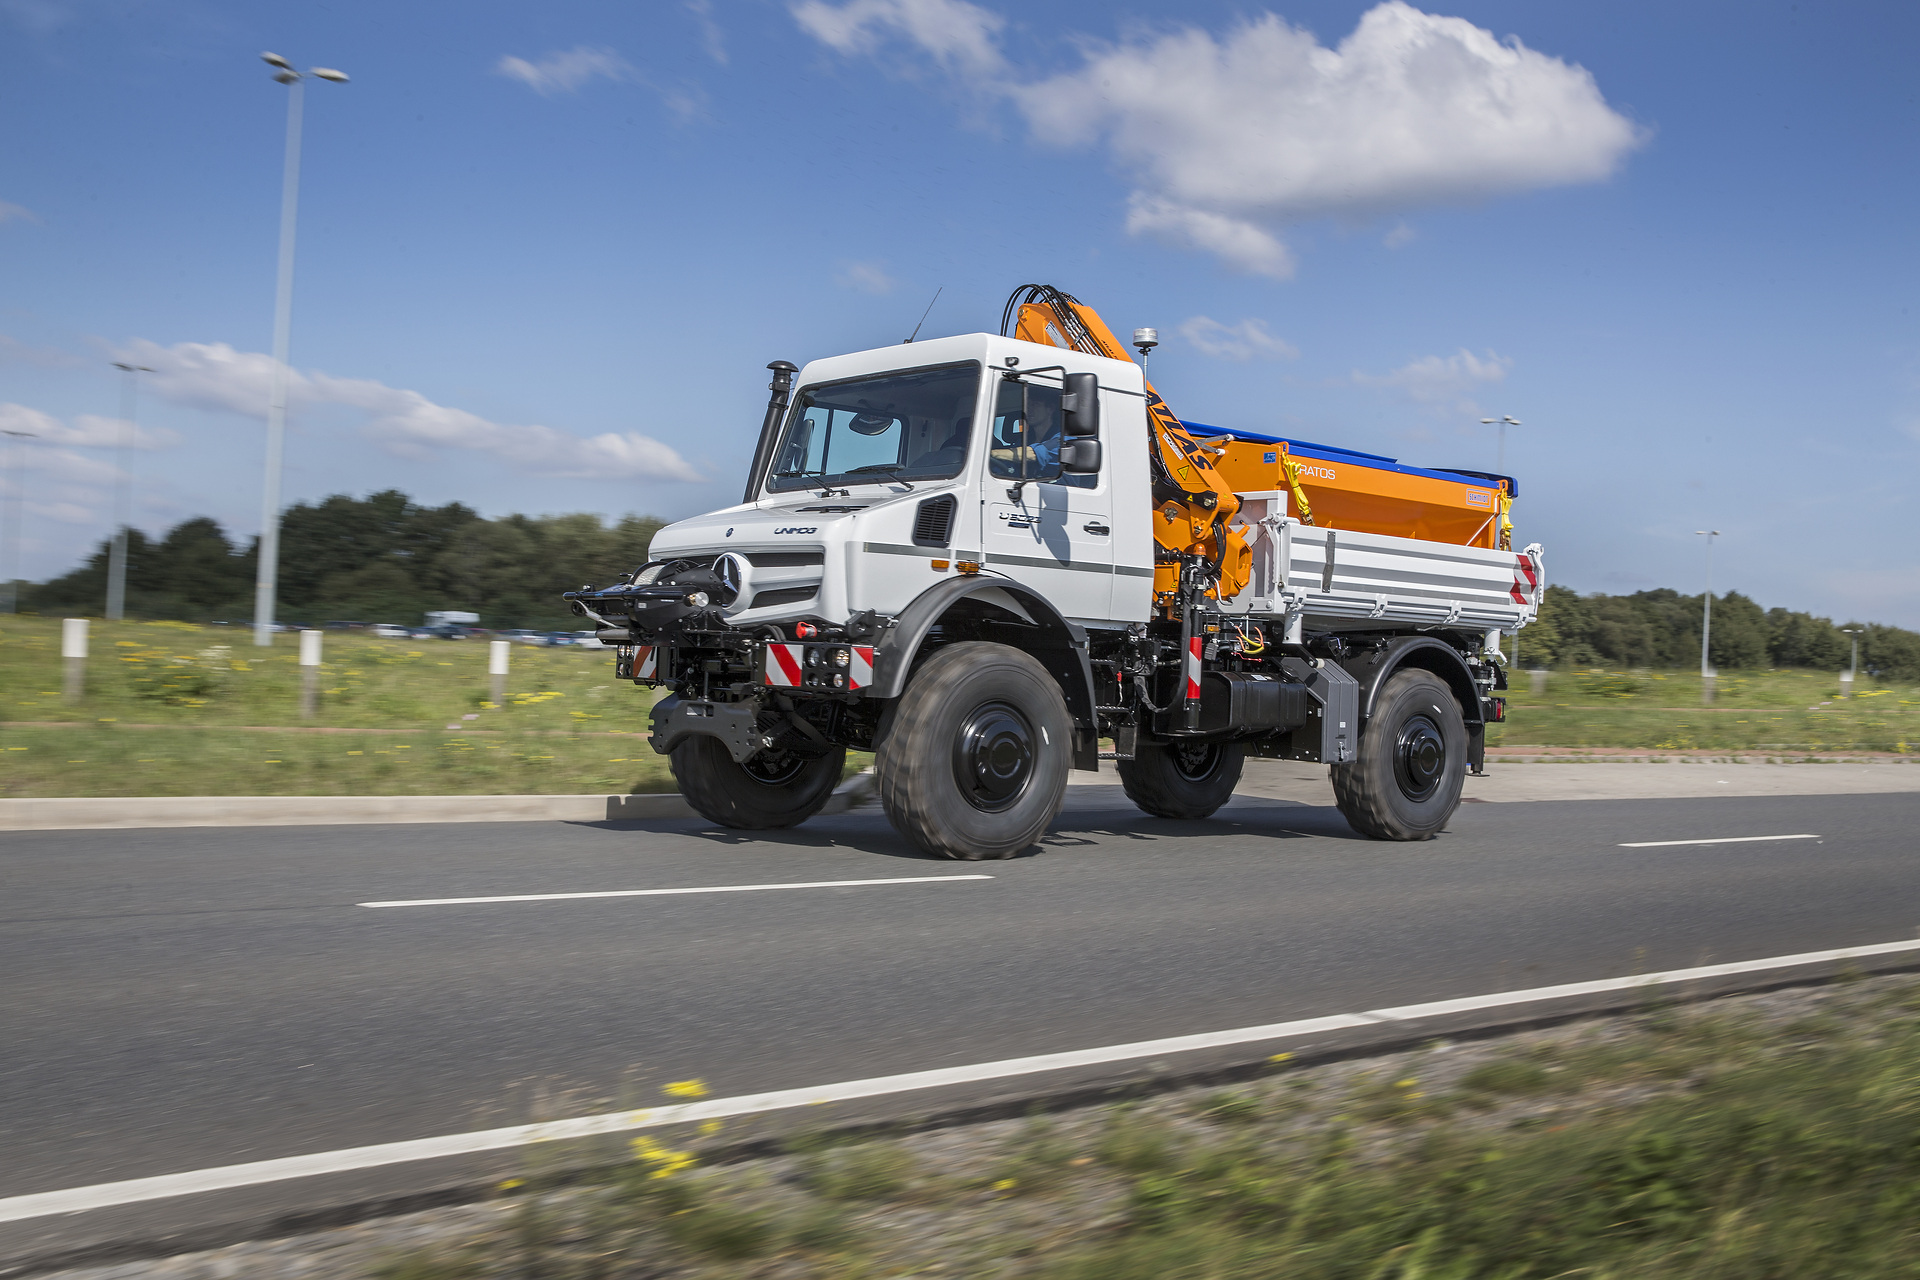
(1089, 551)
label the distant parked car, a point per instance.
(444, 632)
(390, 631)
(520, 635)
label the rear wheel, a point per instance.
(976, 765)
(1182, 779)
(770, 790)
(1412, 763)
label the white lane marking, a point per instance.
(80, 1199)
(1661, 844)
(657, 893)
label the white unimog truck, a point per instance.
(979, 556)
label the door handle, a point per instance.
(1094, 526)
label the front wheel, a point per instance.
(770, 790)
(1182, 779)
(1412, 763)
(976, 765)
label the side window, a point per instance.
(1026, 438)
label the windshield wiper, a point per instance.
(892, 468)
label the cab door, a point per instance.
(1050, 532)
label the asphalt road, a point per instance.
(177, 999)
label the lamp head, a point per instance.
(275, 60)
(328, 73)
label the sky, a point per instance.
(546, 251)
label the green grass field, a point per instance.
(175, 709)
(1790, 712)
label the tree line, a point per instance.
(1662, 629)
(386, 558)
(382, 558)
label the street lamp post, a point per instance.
(269, 569)
(1853, 668)
(1505, 421)
(122, 491)
(10, 589)
(1706, 621)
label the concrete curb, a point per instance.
(122, 812)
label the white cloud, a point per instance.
(867, 277)
(565, 72)
(14, 351)
(1401, 236)
(1443, 382)
(216, 376)
(1248, 340)
(1235, 241)
(86, 432)
(710, 34)
(10, 212)
(957, 35)
(1229, 138)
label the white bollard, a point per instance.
(73, 648)
(497, 652)
(309, 673)
(1539, 677)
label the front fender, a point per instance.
(1058, 645)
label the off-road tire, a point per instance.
(976, 764)
(1182, 780)
(1412, 763)
(756, 796)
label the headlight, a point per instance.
(697, 599)
(841, 657)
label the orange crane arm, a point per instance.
(1193, 502)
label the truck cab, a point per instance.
(900, 468)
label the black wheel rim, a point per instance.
(993, 756)
(1195, 761)
(1419, 758)
(774, 769)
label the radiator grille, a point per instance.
(785, 559)
(785, 595)
(933, 524)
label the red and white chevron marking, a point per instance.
(1525, 579)
(646, 661)
(860, 674)
(1193, 666)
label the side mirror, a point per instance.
(1080, 456)
(1080, 404)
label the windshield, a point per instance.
(907, 426)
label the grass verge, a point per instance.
(1772, 1136)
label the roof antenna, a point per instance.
(924, 314)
